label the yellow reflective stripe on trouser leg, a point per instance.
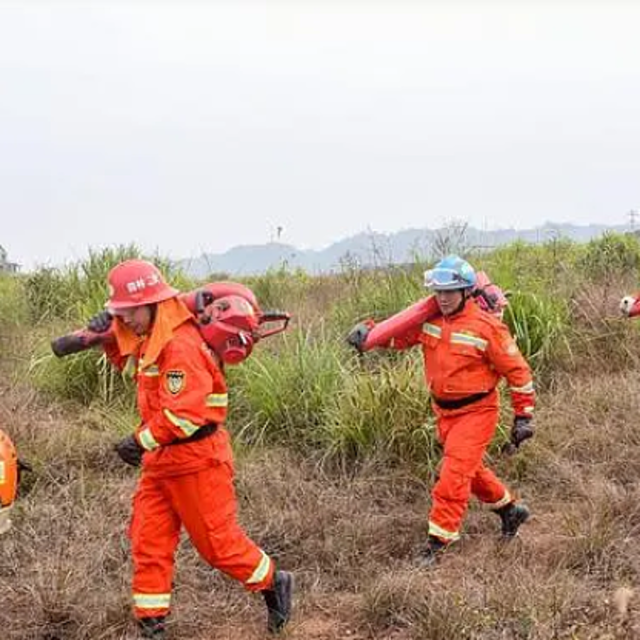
(217, 400)
(527, 388)
(262, 570)
(152, 600)
(147, 440)
(503, 502)
(186, 426)
(443, 534)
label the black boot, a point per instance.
(278, 601)
(152, 627)
(428, 556)
(512, 516)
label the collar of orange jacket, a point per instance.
(170, 314)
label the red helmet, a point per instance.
(630, 306)
(134, 283)
(8, 479)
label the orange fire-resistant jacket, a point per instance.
(467, 354)
(181, 388)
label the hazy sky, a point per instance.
(191, 127)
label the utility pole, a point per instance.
(275, 233)
(633, 218)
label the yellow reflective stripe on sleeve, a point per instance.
(527, 388)
(3, 473)
(432, 330)
(528, 409)
(152, 600)
(261, 571)
(443, 534)
(147, 440)
(503, 502)
(152, 372)
(472, 341)
(186, 426)
(217, 400)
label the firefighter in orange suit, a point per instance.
(184, 449)
(9, 473)
(466, 352)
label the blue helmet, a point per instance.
(449, 274)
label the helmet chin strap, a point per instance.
(466, 294)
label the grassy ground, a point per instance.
(335, 459)
(349, 538)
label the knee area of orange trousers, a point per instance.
(205, 504)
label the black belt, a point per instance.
(204, 431)
(460, 402)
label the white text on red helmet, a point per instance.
(142, 283)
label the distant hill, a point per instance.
(376, 248)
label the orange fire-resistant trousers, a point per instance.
(205, 503)
(465, 437)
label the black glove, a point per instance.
(358, 335)
(130, 451)
(522, 430)
(100, 323)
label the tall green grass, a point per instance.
(307, 388)
(381, 412)
(85, 377)
(279, 287)
(13, 306)
(540, 269)
(612, 255)
(540, 325)
(13, 317)
(376, 293)
(281, 395)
